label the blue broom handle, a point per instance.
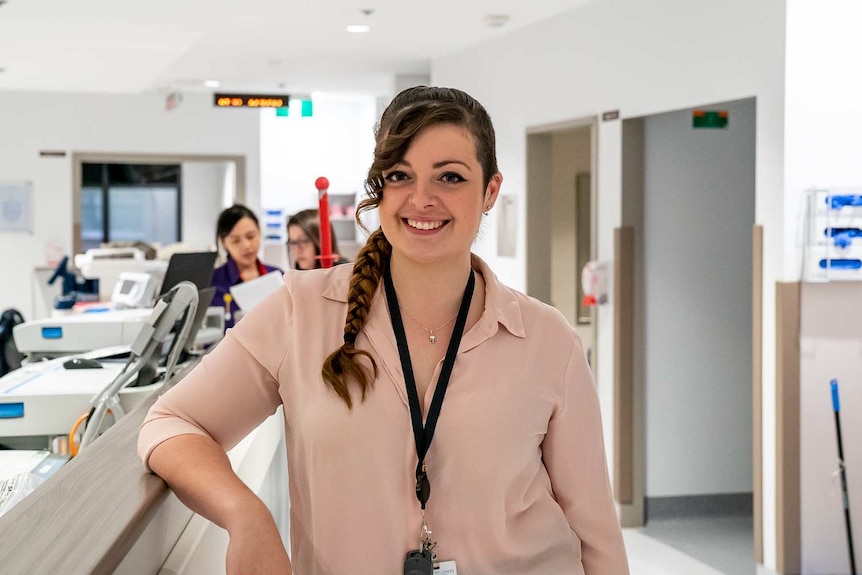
(836, 404)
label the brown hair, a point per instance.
(411, 111)
(309, 222)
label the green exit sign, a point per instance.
(709, 119)
(296, 108)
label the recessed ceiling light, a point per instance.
(212, 83)
(358, 29)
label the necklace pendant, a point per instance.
(432, 338)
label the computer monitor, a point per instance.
(196, 267)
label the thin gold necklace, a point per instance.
(431, 337)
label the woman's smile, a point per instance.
(420, 226)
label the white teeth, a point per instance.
(421, 225)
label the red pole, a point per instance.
(322, 185)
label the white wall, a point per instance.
(698, 218)
(640, 58)
(823, 121)
(30, 122)
(824, 111)
(336, 142)
(203, 191)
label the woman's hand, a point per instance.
(255, 546)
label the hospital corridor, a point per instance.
(558, 287)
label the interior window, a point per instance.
(130, 202)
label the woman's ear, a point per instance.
(492, 191)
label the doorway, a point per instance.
(560, 219)
(689, 198)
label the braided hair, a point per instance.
(411, 111)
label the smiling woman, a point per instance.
(515, 455)
(435, 197)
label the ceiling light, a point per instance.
(358, 29)
(212, 83)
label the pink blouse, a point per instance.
(519, 481)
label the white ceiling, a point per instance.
(294, 46)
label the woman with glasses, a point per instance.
(238, 231)
(303, 240)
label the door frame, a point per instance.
(538, 180)
(630, 386)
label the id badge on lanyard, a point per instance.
(421, 561)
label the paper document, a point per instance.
(16, 461)
(249, 294)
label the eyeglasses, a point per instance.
(303, 243)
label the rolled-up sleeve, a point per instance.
(234, 387)
(574, 455)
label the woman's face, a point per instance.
(243, 242)
(434, 197)
(301, 248)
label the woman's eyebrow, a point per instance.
(445, 162)
(435, 165)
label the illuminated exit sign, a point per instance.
(250, 101)
(297, 108)
(709, 119)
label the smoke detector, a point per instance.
(496, 20)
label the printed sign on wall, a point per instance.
(16, 213)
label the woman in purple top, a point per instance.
(238, 230)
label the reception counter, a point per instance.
(104, 513)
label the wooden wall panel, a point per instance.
(788, 530)
(624, 365)
(757, 386)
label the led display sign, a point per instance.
(249, 101)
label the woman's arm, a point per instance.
(197, 469)
(187, 431)
(574, 454)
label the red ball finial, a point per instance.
(321, 183)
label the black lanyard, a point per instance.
(423, 436)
